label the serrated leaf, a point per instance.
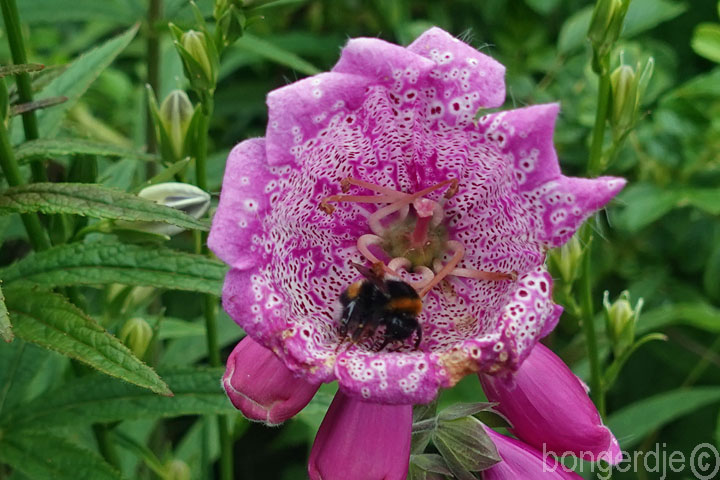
(630, 424)
(460, 410)
(465, 442)
(5, 326)
(93, 201)
(44, 455)
(104, 263)
(43, 148)
(50, 321)
(75, 80)
(259, 46)
(101, 399)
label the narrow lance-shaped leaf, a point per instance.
(50, 321)
(75, 80)
(105, 263)
(43, 148)
(101, 399)
(5, 326)
(630, 424)
(93, 201)
(7, 70)
(44, 455)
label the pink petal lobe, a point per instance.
(237, 224)
(262, 387)
(362, 441)
(550, 409)
(565, 203)
(381, 61)
(467, 70)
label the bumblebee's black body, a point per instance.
(374, 301)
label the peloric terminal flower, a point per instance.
(382, 160)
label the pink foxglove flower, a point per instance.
(262, 387)
(359, 440)
(521, 462)
(382, 160)
(550, 410)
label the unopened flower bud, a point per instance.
(136, 333)
(621, 318)
(176, 469)
(199, 56)
(181, 196)
(627, 89)
(567, 259)
(605, 27)
(176, 113)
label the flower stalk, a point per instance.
(24, 86)
(36, 233)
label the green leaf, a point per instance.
(706, 41)
(430, 462)
(175, 328)
(101, 399)
(460, 410)
(463, 442)
(43, 148)
(104, 263)
(24, 367)
(49, 320)
(166, 175)
(92, 201)
(632, 423)
(258, 46)
(647, 203)
(5, 326)
(119, 12)
(44, 455)
(698, 315)
(75, 80)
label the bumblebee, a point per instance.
(376, 301)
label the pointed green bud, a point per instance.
(199, 56)
(567, 259)
(621, 318)
(136, 333)
(605, 28)
(628, 88)
(176, 113)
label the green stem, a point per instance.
(24, 86)
(210, 304)
(153, 72)
(36, 234)
(595, 164)
(597, 389)
(595, 167)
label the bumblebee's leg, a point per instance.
(384, 344)
(418, 329)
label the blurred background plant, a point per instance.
(146, 92)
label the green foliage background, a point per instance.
(660, 239)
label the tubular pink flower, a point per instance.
(550, 408)
(521, 462)
(262, 387)
(339, 178)
(362, 441)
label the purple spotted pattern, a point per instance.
(401, 118)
